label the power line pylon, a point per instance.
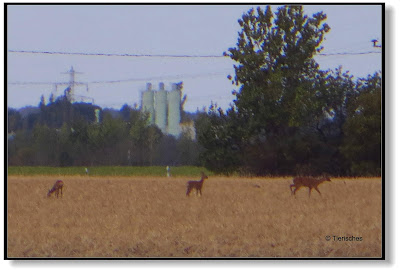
(70, 90)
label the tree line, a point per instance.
(68, 134)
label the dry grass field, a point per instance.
(152, 217)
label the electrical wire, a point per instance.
(167, 55)
(192, 76)
(35, 83)
(118, 54)
(347, 53)
(151, 55)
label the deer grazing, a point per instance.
(56, 188)
(309, 182)
(198, 185)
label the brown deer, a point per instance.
(198, 185)
(309, 182)
(56, 188)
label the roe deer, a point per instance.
(309, 182)
(198, 185)
(56, 188)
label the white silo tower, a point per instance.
(148, 102)
(160, 105)
(174, 110)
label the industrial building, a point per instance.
(164, 107)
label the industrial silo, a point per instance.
(148, 102)
(160, 105)
(174, 110)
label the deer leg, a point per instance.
(61, 192)
(188, 191)
(316, 188)
(291, 188)
(294, 191)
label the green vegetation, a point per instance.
(289, 116)
(108, 171)
(62, 134)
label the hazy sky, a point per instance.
(158, 30)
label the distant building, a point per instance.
(164, 107)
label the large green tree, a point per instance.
(276, 72)
(280, 92)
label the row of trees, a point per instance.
(65, 134)
(289, 116)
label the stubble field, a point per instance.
(106, 217)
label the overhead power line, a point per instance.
(346, 53)
(159, 78)
(171, 77)
(119, 54)
(166, 55)
(35, 83)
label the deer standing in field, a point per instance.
(198, 185)
(56, 188)
(309, 182)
